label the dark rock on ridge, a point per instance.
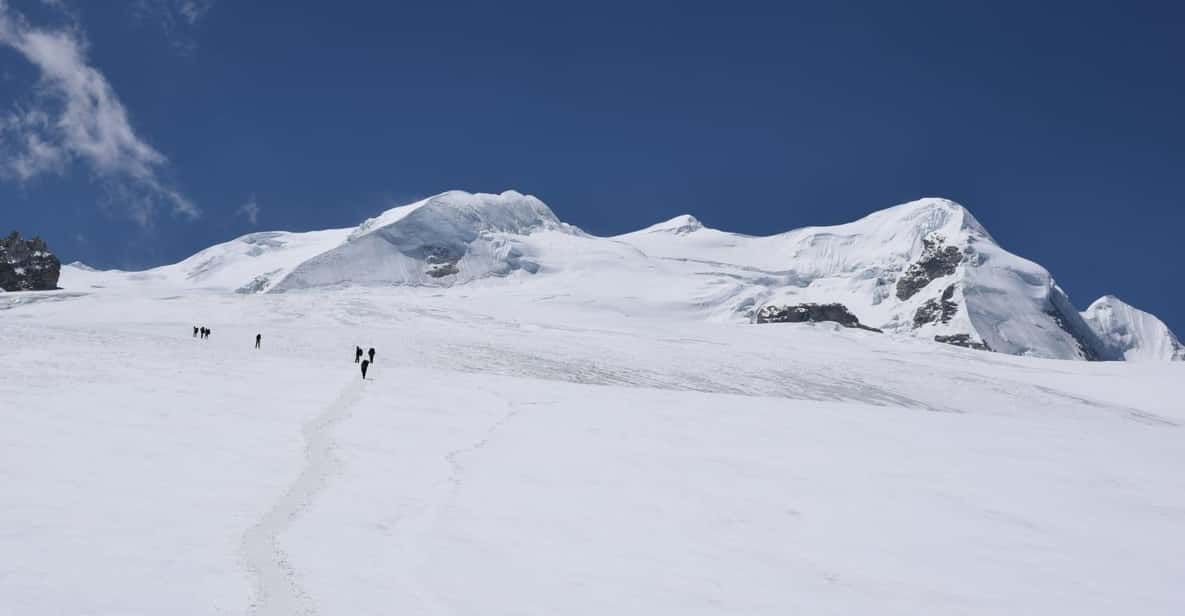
(811, 313)
(27, 265)
(938, 310)
(963, 340)
(937, 260)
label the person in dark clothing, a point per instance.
(371, 353)
(365, 365)
(195, 331)
(357, 354)
(258, 340)
(207, 333)
(202, 333)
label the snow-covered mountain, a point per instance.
(925, 269)
(600, 431)
(1130, 333)
(450, 238)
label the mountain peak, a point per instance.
(937, 213)
(679, 225)
(1130, 333)
(507, 210)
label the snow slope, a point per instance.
(522, 449)
(252, 263)
(1130, 333)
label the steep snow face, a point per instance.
(450, 238)
(1132, 334)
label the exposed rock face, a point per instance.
(440, 261)
(810, 313)
(27, 265)
(937, 260)
(963, 340)
(938, 310)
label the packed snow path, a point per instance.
(277, 588)
(519, 452)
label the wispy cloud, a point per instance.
(250, 209)
(176, 18)
(75, 114)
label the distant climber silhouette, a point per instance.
(195, 331)
(365, 365)
(357, 354)
(258, 340)
(371, 353)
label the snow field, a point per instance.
(520, 450)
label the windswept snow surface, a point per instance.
(526, 446)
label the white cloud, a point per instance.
(176, 18)
(250, 209)
(75, 114)
(193, 10)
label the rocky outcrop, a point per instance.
(937, 310)
(27, 265)
(440, 261)
(811, 313)
(937, 260)
(962, 340)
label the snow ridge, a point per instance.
(927, 268)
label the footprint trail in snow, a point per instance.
(277, 589)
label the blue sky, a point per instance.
(136, 133)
